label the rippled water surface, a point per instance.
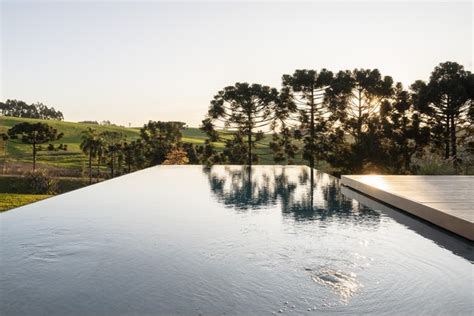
(189, 240)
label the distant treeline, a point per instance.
(18, 108)
(89, 122)
(103, 123)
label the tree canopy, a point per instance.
(241, 113)
(159, 138)
(37, 110)
(34, 134)
(355, 120)
(446, 104)
(311, 113)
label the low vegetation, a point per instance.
(19, 184)
(9, 201)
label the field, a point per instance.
(9, 201)
(73, 162)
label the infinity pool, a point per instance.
(186, 240)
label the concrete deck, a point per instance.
(446, 201)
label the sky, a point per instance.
(130, 62)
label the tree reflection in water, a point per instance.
(301, 192)
(241, 187)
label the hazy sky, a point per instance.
(132, 62)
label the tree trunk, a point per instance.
(249, 159)
(312, 131)
(5, 157)
(112, 167)
(446, 138)
(128, 160)
(98, 168)
(249, 136)
(119, 166)
(311, 186)
(406, 152)
(453, 140)
(90, 165)
(34, 156)
(359, 118)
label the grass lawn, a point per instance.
(73, 158)
(9, 201)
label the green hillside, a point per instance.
(72, 158)
(73, 162)
(72, 131)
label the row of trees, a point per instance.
(159, 143)
(356, 120)
(37, 110)
(103, 123)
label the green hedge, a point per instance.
(19, 184)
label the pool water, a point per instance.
(188, 240)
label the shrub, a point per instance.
(466, 156)
(176, 157)
(434, 165)
(41, 183)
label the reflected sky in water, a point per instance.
(190, 240)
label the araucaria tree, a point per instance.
(402, 132)
(447, 104)
(362, 93)
(34, 134)
(239, 115)
(312, 112)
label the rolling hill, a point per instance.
(73, 162)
